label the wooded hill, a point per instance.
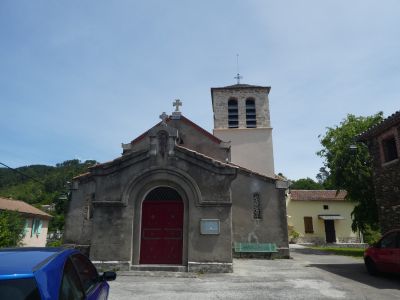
(41, 184)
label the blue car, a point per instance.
(50, 273)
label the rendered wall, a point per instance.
(272, 227)
(250, 148)
(35, 240)
(297, 210)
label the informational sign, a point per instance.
(209, 226)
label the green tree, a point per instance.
(306, 184)
(350, 169)
(11, 228)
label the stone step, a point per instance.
(157, 274)
(165, 268)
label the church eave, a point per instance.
(223, 168)
(250, 172)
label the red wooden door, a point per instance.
(161, 236)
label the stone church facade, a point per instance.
(176, 197)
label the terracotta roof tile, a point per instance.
(21, 206)
(390, 121)
(317, 195)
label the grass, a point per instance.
(354, 252)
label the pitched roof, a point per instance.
(390, 121)
(317, 195)
(22, 207)
(241, 86)
(186, 121)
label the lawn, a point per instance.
(354, 252)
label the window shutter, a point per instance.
(26, 227)
(39, 229)
(308, 225)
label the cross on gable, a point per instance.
(164, 117)
(177, 103)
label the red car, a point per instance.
(384, 256)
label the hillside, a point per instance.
(42, 185)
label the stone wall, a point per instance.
(387, 184)
(220, 106)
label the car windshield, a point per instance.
(19, 289)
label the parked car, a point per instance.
(50, 273)
(384, 256)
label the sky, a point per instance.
(78, 78)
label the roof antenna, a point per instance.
(237, 77)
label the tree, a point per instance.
(306, 184)
(11, 228)
(351, 169)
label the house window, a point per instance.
(233, 114)
(389, 149)
(36, 227)
(251, 121)
(256, 207)
(308, 225)
(326, 207)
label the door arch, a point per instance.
(161, 238)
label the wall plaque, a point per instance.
(209, 226)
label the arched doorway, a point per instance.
(162, 227)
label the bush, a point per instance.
(293, 236)
(371, 236)
(11, 228)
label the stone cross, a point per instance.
(164, 117)
(177, 103)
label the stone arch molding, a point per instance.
(140, 186)
(151, 178)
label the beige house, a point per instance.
(36, 221)
(321, 216)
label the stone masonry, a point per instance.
(386, 173)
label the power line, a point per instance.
(19, 172)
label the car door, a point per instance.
(397, 253)
(93, 287)
(387, 252)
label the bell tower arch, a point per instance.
(241, 116)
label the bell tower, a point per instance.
(241, 116)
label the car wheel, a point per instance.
(371, 267)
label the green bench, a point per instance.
(266, 248)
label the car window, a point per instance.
(71, 287)
(86, 271)
(389, 241)
(19, 289)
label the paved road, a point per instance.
(309, 275)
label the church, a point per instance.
(181, 196)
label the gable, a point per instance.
(190, 136)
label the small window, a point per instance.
(256, 207)
(36, 227)
(251, 121)
(389, 149)
(308, 225)
(233, 113)
(326, 207)
(71, 287)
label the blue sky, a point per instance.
(77, 78)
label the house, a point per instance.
(383, 141)
(321, 216)
(179, 195)
(36, 221)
